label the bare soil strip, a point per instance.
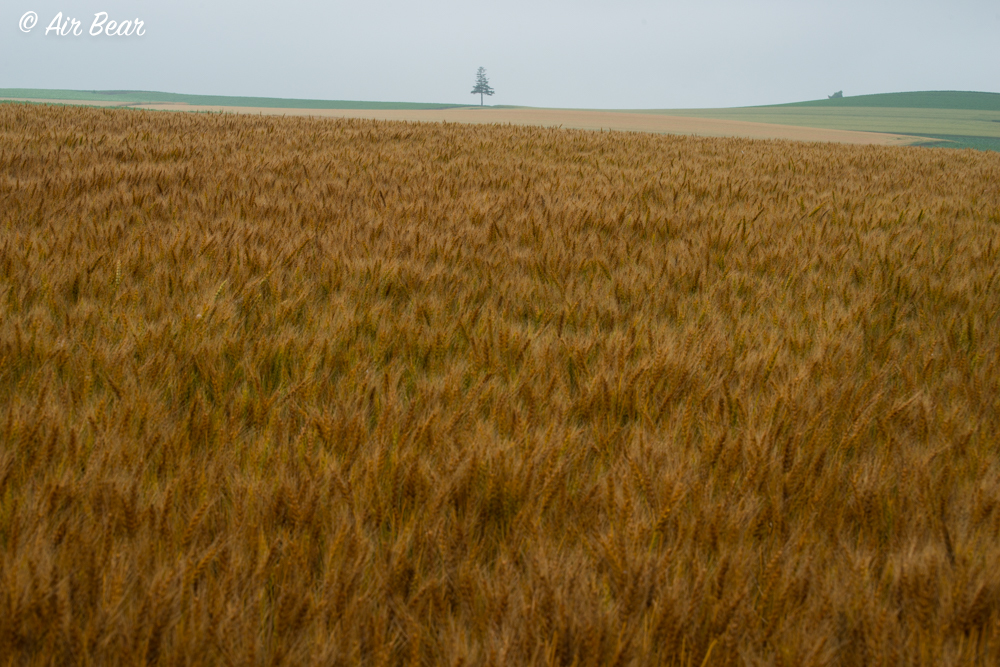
(568, 118)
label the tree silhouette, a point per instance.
(482, 85)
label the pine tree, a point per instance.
(482, 85)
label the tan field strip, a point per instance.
(568, 118)
(87, 103)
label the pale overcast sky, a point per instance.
(552, 53)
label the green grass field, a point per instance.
(868, 119)
(929, 99)
(151, 97)
(958, 141)
(957, 119)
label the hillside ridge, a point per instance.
(156, 97)
(928, 99)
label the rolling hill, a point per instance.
(134, 97)
(948, 119)
(931, 99)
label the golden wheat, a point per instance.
(293, 391)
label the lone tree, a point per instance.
(482, 85)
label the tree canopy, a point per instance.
(482, 85)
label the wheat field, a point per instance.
(347, 392)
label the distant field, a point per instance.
(871, 119)
(584, 120)
(953, 141)
(136, 97)
(565, 118)
(959, 120)
(931, 99)
(932, 118)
